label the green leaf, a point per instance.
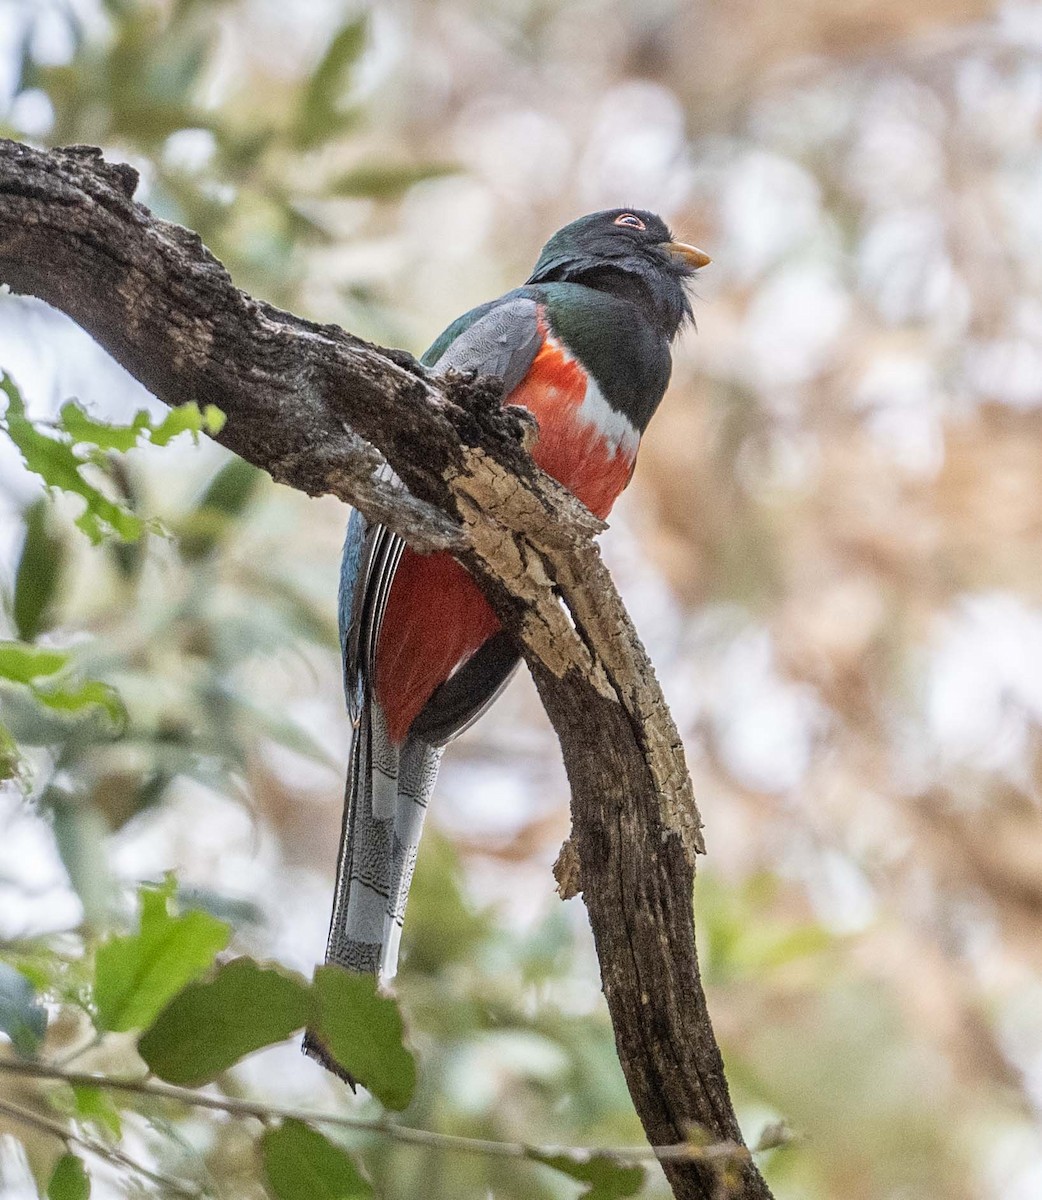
(444, 928)
(779, 946)
(301, 1164)
(39, 572)
(136, 975)
(85, 429)
(320, 113)
(69, 1181)
(91, 694)
(231, 488)
(184, 54)
(384, 181)
(608, 1179)
(80, 831)
(186, 418)
(11, 762)
(333, 72)
(741, 935)
(21, 1017)
(228, 494)
(95, 1104)
(26, 664)
(214, 1022)
(58, 466)
(362, 1030)
(22, 663)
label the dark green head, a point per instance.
(630, 253)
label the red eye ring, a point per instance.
(630, 221)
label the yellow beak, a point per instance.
(690, 254)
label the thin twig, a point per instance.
(714, 1152)
(26, 1116)
(71, 1057)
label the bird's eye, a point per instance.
(630, 221)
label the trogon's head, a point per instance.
(629, 252)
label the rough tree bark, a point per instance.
(319, 410)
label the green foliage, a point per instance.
(22, 1018)
(362, 1029)
(45, 673)
(384, 180)
(209, 1022)
(101, 435)
(225, 499)
(266, 168)
(97, 1106)
(242, 1007)
(69, 1180)
(139, 973)
(60, 465)
(20, 663)
(10, 757)
(180, 625)
(608, 1179)
(91, 694)
(195, 1029)
(321, 113)
(301, 1164)
(212, 1023)
(39, 574)
(740, 935)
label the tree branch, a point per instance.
(112, 1154)
(320, 410)
(722, 1153)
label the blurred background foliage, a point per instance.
(831, 548)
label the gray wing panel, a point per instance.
(503, 342)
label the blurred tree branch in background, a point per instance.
(309, 403)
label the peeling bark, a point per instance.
(568, 871)
(321, 410)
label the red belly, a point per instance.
(436, 617)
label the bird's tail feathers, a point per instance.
(388, 788)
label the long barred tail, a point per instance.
(388, 788)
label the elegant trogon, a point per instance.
(585, 346)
